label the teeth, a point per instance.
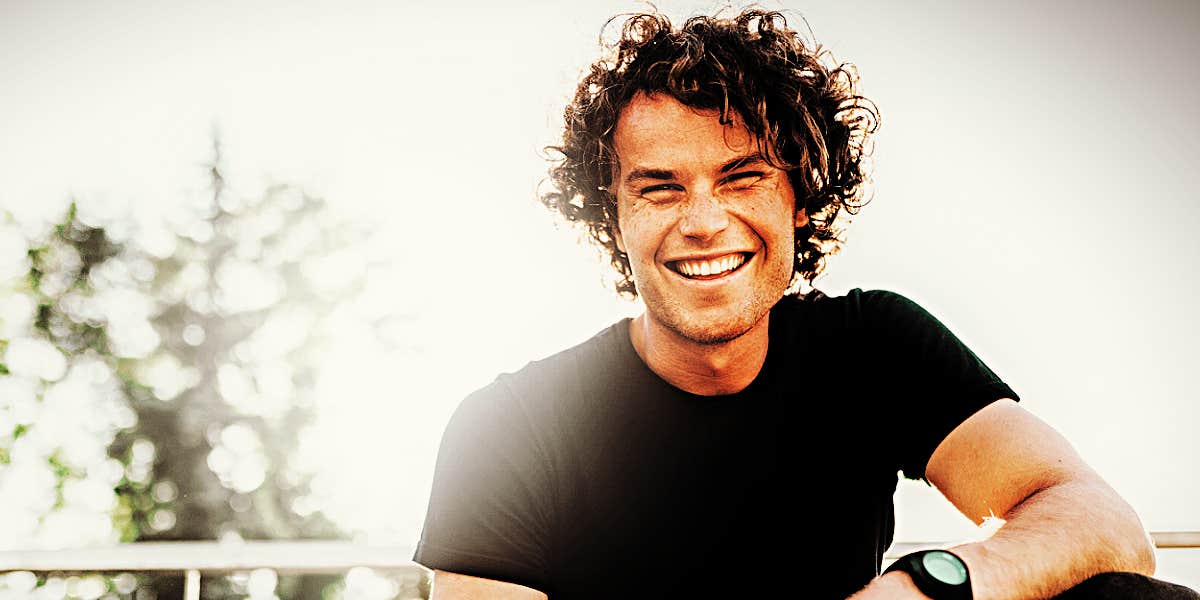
(693, 268)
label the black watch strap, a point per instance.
(939, 574)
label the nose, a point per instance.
(703, 217)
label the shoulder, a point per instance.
(546, 388)
(866, 304)
(567, 372)
(857, 309)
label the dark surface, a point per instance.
(1127, 586)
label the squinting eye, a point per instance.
(744, 178)
(664, 191)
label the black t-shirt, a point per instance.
(585, 475)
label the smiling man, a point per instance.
(708, 226)
(740, 439)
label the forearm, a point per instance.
(1052, 540)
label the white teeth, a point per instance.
(693, 268)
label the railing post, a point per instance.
(191, 585)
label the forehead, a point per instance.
(659, 131)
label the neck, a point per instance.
(702, 369)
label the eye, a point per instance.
(663, 192)
(743, 179)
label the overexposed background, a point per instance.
(1035, 189)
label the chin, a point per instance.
(713, 331)
(707, 337)
(719, 318)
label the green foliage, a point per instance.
(199, 341)
(122, 518)
(35, 272)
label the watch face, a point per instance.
(945, 567)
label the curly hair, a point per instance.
(806, 115)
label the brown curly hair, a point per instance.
(807, 116)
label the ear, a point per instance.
(801, 218)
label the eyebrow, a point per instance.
(667, 174)
(742, 161)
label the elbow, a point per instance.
(1129, 547)
(1133, 547)
(1141, 544)
(1144, 558)
(1133, 551)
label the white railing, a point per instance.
(196, 558)
(1162, 540)
(283, 556)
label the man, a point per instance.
(737, 439)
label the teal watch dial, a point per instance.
(945, 567)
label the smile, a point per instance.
(709, 268)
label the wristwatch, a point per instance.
(939, 574)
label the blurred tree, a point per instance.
(189, 352)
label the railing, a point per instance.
(196, 558)
(1162, 540)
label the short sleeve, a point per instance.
(487, 513)
(930, 381)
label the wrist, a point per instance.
(900, 585)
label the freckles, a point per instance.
(632, 211)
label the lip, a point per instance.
(750, 256)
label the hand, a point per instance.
(896, 585)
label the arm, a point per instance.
(453, 586)
(487, 514)
(1063, 522)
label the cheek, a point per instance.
(640, 237)
(775, 224)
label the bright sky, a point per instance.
(1035, 189)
